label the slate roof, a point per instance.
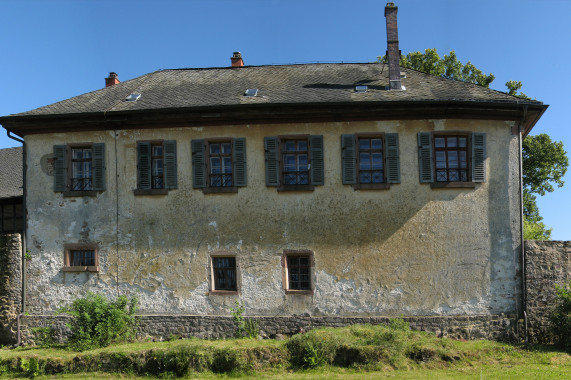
(10, 173)
(287, 84)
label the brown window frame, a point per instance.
(207, 155)
(69, 249)
(212, 273)
(286, 271)
(70, 192)
(370, 186)
(282, 142)
(452, 184)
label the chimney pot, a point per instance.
(112, 79)
(236, 59)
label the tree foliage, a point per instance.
(544, 161)
(448, 67)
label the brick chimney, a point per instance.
(112, 79)
(237, 59)
(393, 51)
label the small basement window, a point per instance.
(297, 272)
(81, 258)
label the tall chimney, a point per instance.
(393, 51)
(237, 59)
(112, 79)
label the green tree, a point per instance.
(544, 161)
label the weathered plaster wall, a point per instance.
(10, 286)
(408, 250)
(547, 263)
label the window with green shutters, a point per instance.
(370, 160)
(219, 164)
(79, 169)
(451, 159)
(156, 167)
(294, 162)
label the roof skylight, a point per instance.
(251, 92)
(133, 97)
(361, 88)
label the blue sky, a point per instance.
(53, 50)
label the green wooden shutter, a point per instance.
(478, 157)
(60, 168)
(316, 159)
(198, 164)
(272, 161)
(348, 163)
(239, 162)
(98, 166)
(392, 157)
(143, 165)
(171, 177)
(425, 160)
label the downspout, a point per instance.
(522, 241)
(23, 309)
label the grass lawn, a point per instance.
(355, 352)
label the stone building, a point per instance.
(321, 190)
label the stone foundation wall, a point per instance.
(547, 263)
(10, 286)
(164, 327)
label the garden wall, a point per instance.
(547, 263)
(10, 286)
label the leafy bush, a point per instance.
(244, 327)
(561, 317)
(313, 349)
(44, 336)
(98, 322)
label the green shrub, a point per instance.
(98, 322)
(561, 317)
(313, 349)
(244, 327)
(44, 336)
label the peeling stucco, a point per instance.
(409, 250)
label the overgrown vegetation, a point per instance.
(561, 317)
(333, 351)
(97, 322)
(244, 327)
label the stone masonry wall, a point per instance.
(10, 286)
(547, 263)
(164, 327)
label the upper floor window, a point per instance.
(370, 160)
(219, 165)
(79, 168)
(452, 159)
(81, 165)
(156, 166)
(294, 162)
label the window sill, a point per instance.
(452, 185)
(223, 292)
(371, 186)
(81, 269)
(150, 191)
(87, 193)
(217, 190)
(295, 188)
(299, 292)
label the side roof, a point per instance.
(317, 86)
(11, 173)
